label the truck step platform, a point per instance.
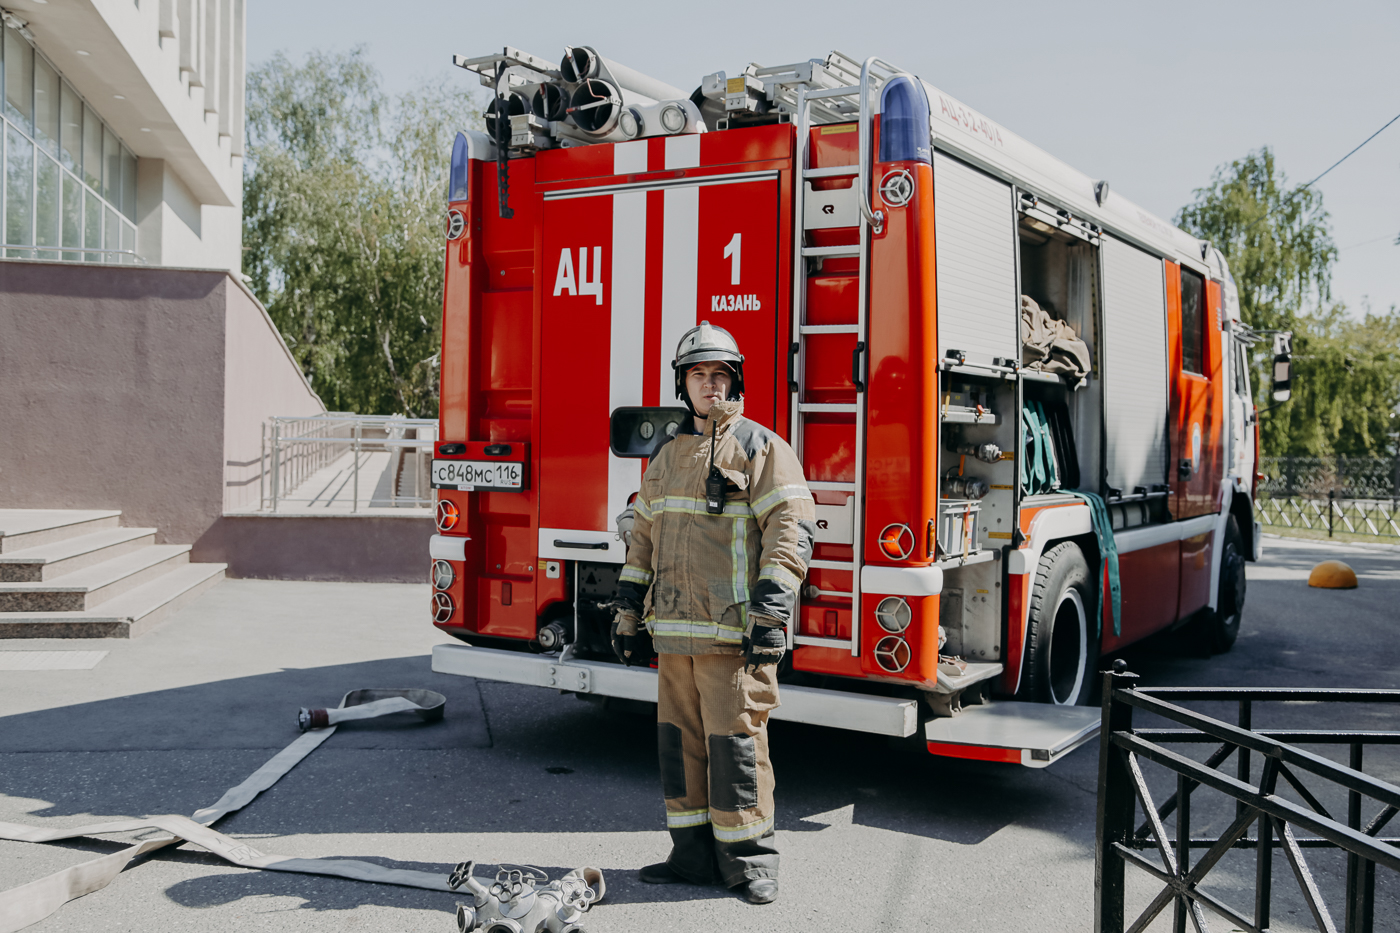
(835, 708)
(1030, 734)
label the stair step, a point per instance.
(819, 486)
(49, 561)
(828, 407)
(818, 252)
(817, 641)
(810, 329)
(83, 589)
(133, 613)
(832, 171)
(831, 564)
(27, 528)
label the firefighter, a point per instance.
(720, 539)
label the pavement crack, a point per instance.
(485, 714)
(1090, 791)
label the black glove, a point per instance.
(626, 643)
(764, 644)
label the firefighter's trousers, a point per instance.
(712, 731)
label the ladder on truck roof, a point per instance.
(815, 94)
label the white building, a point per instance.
(123, 131)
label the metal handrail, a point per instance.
(76, 249)
(1122, 788)
(875, 218)
(297, 446)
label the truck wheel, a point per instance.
(1216, 630)
(1061, 645)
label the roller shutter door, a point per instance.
(1135, 366)
(975, 242)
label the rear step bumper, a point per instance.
(1030, 734)
(834, 708)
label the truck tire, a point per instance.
(1061, 644)
(1216, 629)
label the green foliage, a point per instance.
(1278, 243)
(1346, 385)
(342, 227)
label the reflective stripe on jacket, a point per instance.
(697, 577)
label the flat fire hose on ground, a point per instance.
(30, 903)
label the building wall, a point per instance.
(112, 392)
(260, 379)
(132, 388)
(167, 78)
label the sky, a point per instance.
(1152, 97)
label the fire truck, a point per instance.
(1022, 403)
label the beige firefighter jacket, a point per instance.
(699, 578)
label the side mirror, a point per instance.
(1283, 367)
(638, 432)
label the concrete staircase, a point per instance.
(79, 574)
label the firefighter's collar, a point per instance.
(723, 414)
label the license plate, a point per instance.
(478, 474)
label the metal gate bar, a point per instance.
(1123, 790)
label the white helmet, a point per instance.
(706, 343)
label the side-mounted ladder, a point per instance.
(814, 104)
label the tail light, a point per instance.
(892, 653)
(447, 515)
(443, 576)
(893, 614)
(897, 541)
(442, 607)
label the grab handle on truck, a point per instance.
(856, 375)
(583, 545)
(792, 361)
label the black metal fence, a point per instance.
(1259, 804)
(1351, 495)
(1334, 477)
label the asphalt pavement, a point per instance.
(873, 837)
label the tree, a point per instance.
(1277, 241)
(343, 217)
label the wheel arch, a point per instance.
(1242, 507)
(1048, 528)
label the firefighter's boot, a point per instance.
(716, 776)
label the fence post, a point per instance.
(1395, 481)
(1117, 801)
(1331, 502)
(276, 462)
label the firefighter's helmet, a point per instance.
(707, 343)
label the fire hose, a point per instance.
(29, 903)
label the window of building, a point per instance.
(1193, 304)
(69, 187)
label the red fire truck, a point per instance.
(1022, 402)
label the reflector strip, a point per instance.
(680, 819)
(686, 504)
(782, 576)
(628, 325)
(680, 270)
(976, 752)
(774, 496)
(712, 630)
(638, 575)
(740, 833)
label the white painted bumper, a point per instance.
(834, 708)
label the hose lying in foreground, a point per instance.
(28, 904)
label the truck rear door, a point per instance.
(627, 264)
